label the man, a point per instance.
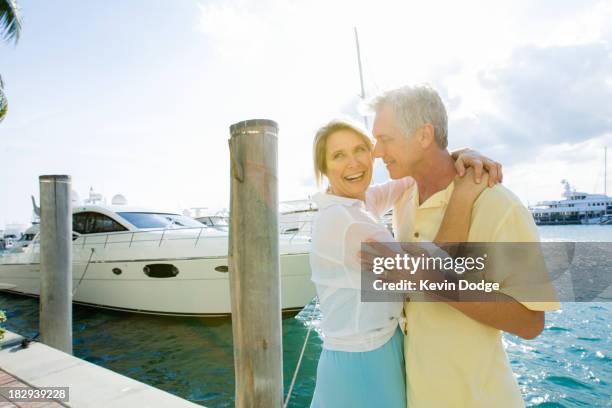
(453, 350)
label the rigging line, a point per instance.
(25, 343)
(365, 118)
(299, 363)
(84, 272)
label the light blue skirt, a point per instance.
(362, 379)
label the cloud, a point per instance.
(558, 93)
(541, 96)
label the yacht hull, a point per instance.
(197, 289)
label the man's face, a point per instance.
(401, 154)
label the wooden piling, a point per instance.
(254, 264)
(56, 262)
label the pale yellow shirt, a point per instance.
(451, 359)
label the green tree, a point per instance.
(10, 29)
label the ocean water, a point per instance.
(568, 365)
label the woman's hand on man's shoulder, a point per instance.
(467, 185)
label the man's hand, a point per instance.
(374, 249)
(471, 158)
(371, 250)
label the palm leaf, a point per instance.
(10, 20)
(3, 105)
(3, 101)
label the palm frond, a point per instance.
(3, 105)
(3, 101)
(10, 20)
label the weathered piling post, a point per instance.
(254, 264)
(56, 262)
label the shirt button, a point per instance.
(416, 234)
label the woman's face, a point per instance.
(349, 164)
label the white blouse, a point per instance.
(339, 228)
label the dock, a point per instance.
(90, 386)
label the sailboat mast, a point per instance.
(365, 118)
(605, 171)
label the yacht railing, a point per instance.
(164, 236)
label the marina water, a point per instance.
(568, 365)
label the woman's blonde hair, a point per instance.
(319, 150)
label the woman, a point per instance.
(362, 361)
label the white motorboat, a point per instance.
(154, 262)
(218, 220)
(12, 233)
(295, 217)
(27, 237)
(3, 243)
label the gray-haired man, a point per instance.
(453, 350)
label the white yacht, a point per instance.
(27, 237)
(218, 220)
(12, 233)
(576, 208)
(155, 262)
(296, 216)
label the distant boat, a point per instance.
(11, 234)
(216, 221)
(295, 217)
(606, 220)
(576, 208)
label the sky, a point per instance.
(137, 97)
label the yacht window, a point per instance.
(206, 221)
(215, 221)
(94, 223)
(79, 222)
(159, 220)
(27, 237)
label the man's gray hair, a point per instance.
(415, 106)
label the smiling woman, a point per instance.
(343, 154)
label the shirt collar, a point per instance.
(439, 199)
(324, 200)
